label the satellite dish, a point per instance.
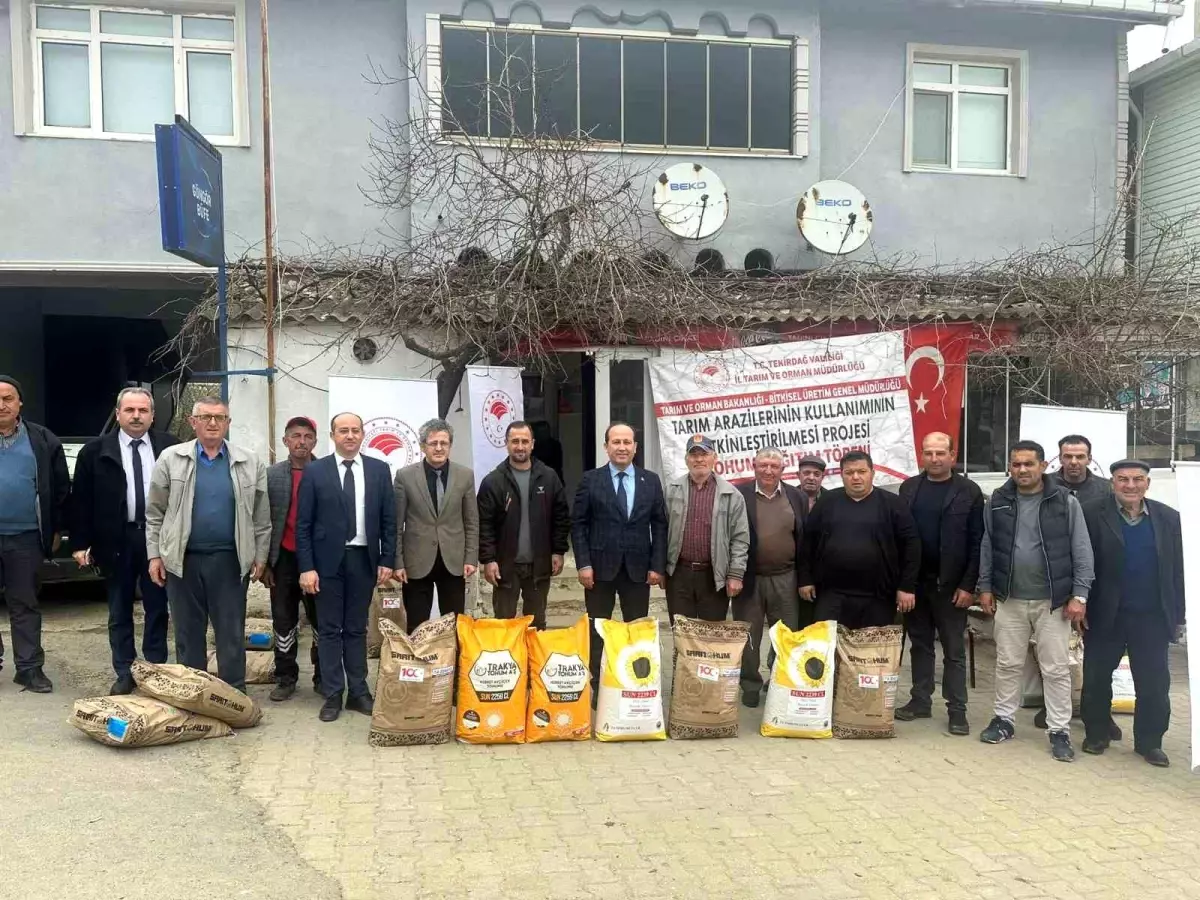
(834, 217)
(691, 201)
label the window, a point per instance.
(637, 90)
(966, 110)
(100, 71)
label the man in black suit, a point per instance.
(345, 546)
(108, 528)
(619, 531)
(1136, 607)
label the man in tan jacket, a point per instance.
(208, 530)
(438, 519)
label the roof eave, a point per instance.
(1138, 12)
(1178, 58)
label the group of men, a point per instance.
(189, 525)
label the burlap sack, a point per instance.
(260, 634)
(707, 679)
(196, 692)
(260, 666)
(414, 696)
(135, 721)
(386, 603)
(866, 678)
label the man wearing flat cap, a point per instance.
(812, 473)
(1136, 608)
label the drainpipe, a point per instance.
(1137, 179)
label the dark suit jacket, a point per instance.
(323, 517)
(962, 530)
(1108, 545)
(99, 510)
(798, 509)
(602, 537)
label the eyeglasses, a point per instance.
(212, 419)
(437, 444)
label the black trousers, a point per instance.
(936, 616)
(521, 583)
(691, 592)
(286, 600)
(342, 607)
(212, 588)
(418, 594)
(854, 610)
(128, 573)
(602, 600)
(1145, 638)
(20, 560)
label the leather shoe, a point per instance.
(363, 703)
(1114, 730)
(910, 711)
(282, 691)
(123, 685)
(1155, 757)
(750, 699)
(958, 724)
(332, 709)
(34, 680)
(1095, 748)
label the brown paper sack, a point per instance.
(135, 721)
(414, 696)
(260, 666)
(196, 692)
(386, 603)
(867, 676)
(707, 679)
(260, 634)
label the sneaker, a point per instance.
(911, 710)
(34, 680)
(1095, 748)
(1060, 746)
(1039, 720)
(283, 691)
(1155, 757)
(959, 724)
(998, 731)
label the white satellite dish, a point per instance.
(691, 201)
(834, 217)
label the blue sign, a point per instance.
(190, 198)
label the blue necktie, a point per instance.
(622, 497)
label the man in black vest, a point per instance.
(1137, 608)
(1036, 560)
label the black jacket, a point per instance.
(98, 506)
(1104, 530)
(798, 509)
(53, 484)
(500, 518)
(1093, 488)
(895, 535)
(609, 542)
(962, 530)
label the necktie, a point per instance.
(139, 483)
(622, 496)
(441, 491)
(351, 505)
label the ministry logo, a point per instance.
(495, 416)
(392, 440)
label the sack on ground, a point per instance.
(1075, 663)
(560, 684)
(866, 681)
(800, 696)
(414, 696)
(134, 721)
(196, 692)
(260, 634)
(386, 603)
(493, 680)
(707, 678)
(1124, 697)
(629, 707)
(260, 666)
(1032, 695)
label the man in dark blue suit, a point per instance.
(619, 530)
(345, 546)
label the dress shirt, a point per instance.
(360, 498)
(630, 487)
(146, 455)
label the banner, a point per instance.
(1187, 484)
(1105, 428)
(494, 401)
(393, 411)
(824, 397)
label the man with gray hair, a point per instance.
(205, 542)
(108, 528)
(438, 518)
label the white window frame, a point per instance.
(800, 85)
(27, 41)
(1016, 62)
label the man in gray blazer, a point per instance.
(438, 520)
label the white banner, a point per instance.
(393, 411)
(823, 398)
(494, 401)
(1105, 428)
(1187, 484)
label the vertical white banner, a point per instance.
(494, 401)
(393, 411)
(1105, 428)
(1187, 484)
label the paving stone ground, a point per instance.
(314, 811)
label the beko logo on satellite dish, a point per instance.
(842, 202)
(688, 186)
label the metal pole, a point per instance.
(223, 329)
(269, 220)
(966, 424)
(1007, 401)
(1174, 408)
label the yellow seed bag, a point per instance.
(560, 684)
(800, 698)
(630, 707)
(493, 680)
